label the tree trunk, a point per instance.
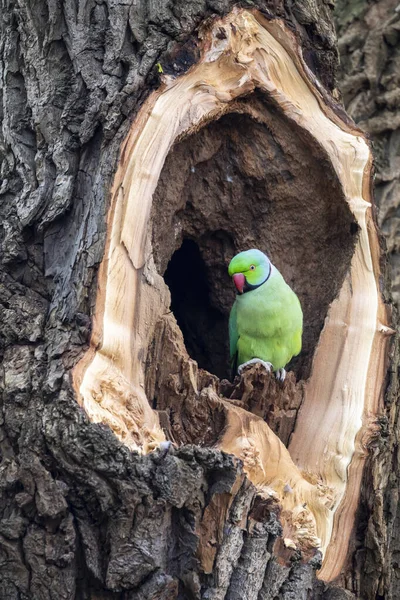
(370, 76)
(369, 80)
(142, 145)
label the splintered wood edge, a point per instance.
(343, 394)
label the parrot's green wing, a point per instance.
(233, 339)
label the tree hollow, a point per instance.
(243, 183)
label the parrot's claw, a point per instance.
(280, 374)
(267, 365)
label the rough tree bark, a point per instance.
(369, 80)
(82, 515)
(369, 77)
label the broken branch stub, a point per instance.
(317, 480)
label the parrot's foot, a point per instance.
(280, 374)
(267, 365)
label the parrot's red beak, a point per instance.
(239, 280)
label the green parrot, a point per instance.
(266, 320)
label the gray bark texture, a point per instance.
(369, 79)
(82, 517)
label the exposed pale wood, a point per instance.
(242, 52)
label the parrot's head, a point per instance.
(249, 270)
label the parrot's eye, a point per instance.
(252, 267)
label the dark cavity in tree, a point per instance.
(242, 183)
(204, 327)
